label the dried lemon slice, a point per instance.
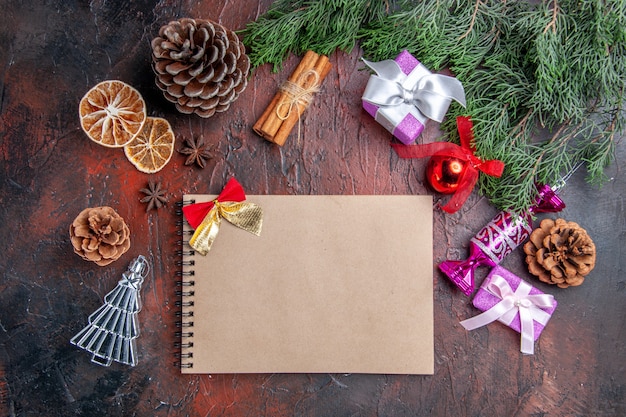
(112, 113)
(152, 148)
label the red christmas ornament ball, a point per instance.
(444, 173)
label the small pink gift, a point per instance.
(404, 94)
(505, 297)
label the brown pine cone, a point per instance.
(200, 65)
(560, 252)
(100, 235)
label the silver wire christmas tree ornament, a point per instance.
(112, 329)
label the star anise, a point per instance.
(197, 152)
(155, 195)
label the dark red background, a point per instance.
(53, 52)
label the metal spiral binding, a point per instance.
(180, 293)
(184, 293)
(184, 303)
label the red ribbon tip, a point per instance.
(465, 127)
(195, 213)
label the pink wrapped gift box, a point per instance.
(404, 94)
(484, 299)
(505, 297)
(409, 129)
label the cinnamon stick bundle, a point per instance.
(292, 99)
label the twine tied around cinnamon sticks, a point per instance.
(298, 93)
(293, 98)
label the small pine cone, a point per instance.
(99, 235)
(560, 252)
(200, 65)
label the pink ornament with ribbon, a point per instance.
(505, 297)
(497, 239)
(404, 94)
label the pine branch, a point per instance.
(469, 30)
(555, 13)
(297, 26)
(554, 69)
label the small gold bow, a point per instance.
(230, 204)
(247, 216)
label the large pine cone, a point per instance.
(560, 252)
(200, 65)
(100, 235)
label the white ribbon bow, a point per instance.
(528, 306)
(398, 93)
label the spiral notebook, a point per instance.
(334, 284)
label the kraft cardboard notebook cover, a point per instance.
(334, 284)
